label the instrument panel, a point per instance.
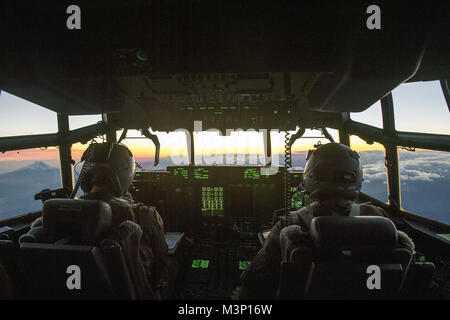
(220, 202)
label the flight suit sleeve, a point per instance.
(371, 210)
(260, 279)
(153, 238)
(35, 234)
(153, 230)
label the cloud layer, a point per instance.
(414, 166)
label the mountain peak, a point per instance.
(38, 165)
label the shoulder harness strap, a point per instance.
(355, 211)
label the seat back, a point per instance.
(70, 264)
(418, 281)
(348, 258)
(53, 271)
(7, 269)
(122, 254)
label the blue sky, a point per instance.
(418, 107)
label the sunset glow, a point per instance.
(205, 144)
(24, 117)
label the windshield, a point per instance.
(238, 148)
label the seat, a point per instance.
(72, 230)
(418, 281)
(7, 269)
(121, 252)
(340, 257)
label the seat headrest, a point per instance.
(84, 221)
(363, 234)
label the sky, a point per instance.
(419, 107)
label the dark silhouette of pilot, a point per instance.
(332, 196)
(108, 176)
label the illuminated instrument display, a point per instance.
(212, 201)
(266, 234)
(252, 173)
(215, 200)
(300, 199)
(256, 174)
(200, 264)
(244, 264)
(201, 173)
(181, 172)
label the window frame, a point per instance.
(388, 136)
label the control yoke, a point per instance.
(300, 132)
(155, 141)
(148, 135)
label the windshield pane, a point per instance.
(372, 116)
(374, 170)
(307, 142)
(76, 122)
(19, 117)
(239, 148)
(421, 107)
(425, 180)
(173, 149)
(23, 173)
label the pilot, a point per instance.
(107, 177)
(332, 178)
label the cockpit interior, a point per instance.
(279, 69)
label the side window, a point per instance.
(23, 173)
(76, 122)
(372, 116)
(19, 117)
(421, 107)
(374, 170)
(424, 174)
(425, 179)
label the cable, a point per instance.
(89, 155)
(287, 180)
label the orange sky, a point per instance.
(30, 154)
(208, 144)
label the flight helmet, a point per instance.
(332, 170)
(111, 164)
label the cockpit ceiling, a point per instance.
(180, 56)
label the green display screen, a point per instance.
(299, 200)
(244, 264)
(201, 173)
(200, 264)
(252, 173)
(212, 201)
(181, 172)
